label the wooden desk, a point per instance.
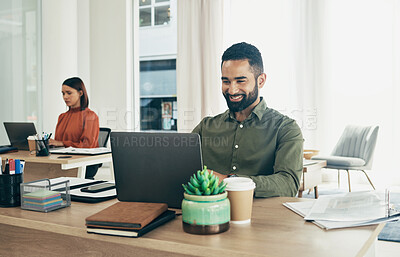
(274, 231)
(312, 177)
(52, 167)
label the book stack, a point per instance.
(129, 219)
(42, 200)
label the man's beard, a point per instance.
(244, 103)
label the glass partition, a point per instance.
(20, 63)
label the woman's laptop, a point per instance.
(18, 132)
(151, 167)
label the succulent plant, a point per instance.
(204, 182)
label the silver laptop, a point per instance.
(18, 132)
(151, 167)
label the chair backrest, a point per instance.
(358, 142)
(104, 135)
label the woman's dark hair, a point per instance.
(77, 84)
(245, 51)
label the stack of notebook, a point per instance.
(42, 200)
(129, 219)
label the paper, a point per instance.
(303, 208)
(73, 150)
(355, 206)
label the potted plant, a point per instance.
(205, 207)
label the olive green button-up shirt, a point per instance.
(266, 147)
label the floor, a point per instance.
(383, 248)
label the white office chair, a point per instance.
(354, 151)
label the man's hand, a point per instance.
(55, 142)
(220, 176)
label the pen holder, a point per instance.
(42, 147)
(10, 194)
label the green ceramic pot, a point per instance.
(206, 214)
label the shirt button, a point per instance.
(234, 167)
(241, 125)
(236, 146)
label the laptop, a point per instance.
(17, 133)
(151, 167)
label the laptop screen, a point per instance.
(18, 132)
(151, 167)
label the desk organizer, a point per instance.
(10, 190)
(42, 147)
(42, 195)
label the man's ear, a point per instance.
(261, 80)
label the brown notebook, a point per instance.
(127, 215)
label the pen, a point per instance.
(11, 163)
(17, 166)
(6, 167)
(22, 166)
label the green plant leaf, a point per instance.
(216, 190)
(194, 181)
(191, 187)
(222, 189)
(187, 190)
(204, 186)
(197, 191)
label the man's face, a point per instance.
(239, 86)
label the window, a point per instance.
(20, 63)
(157, 62)
(158, 106)
(154, 12)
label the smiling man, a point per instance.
(250, 139)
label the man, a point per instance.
(250, 139)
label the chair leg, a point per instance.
(338, 179)
(300, 194)
(316, 192)
(348, 178)
(368, 179)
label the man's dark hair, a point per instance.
(245, 51)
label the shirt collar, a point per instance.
(258, 110)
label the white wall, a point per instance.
(85, 38)
(59, 55)
(108, 62)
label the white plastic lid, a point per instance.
(239, 184)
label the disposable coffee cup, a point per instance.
(240, 194)
(32, 144)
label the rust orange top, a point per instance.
(78, 128)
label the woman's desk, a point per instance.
(52, 167)
(312, 176)
(274, 231)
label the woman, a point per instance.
(79, 126)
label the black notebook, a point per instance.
(163, 218)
